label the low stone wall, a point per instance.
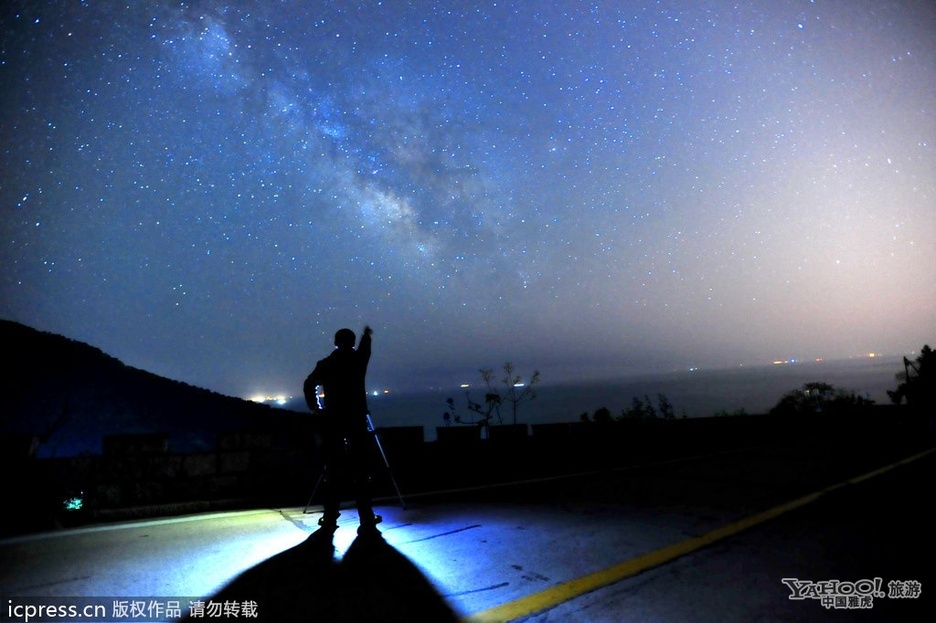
(139, 476)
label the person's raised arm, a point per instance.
(365, 345)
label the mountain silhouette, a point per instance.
(66, 396)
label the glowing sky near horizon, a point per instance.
(208, 190)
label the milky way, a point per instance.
(209, 190)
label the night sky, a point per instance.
(209, 190)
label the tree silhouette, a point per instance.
(513, 382)
(918, 381)
(514, 393)
(818, 397)
(644, 409)
(603, 416)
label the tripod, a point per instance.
(383, 455)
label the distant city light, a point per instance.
(280, 400)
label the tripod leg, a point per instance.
(389, 470)
(371, 429)
(318, 483)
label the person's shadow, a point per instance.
(372, 582)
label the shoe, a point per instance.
(329, 523)
(369, 527)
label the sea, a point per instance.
(692, 393)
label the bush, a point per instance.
(818, 397)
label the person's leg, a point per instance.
(359, 458)
(332, 479)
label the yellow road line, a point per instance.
(556, 595)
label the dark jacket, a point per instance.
(341, 376)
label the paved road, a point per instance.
(451, 556)
(880, 528)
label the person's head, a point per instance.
(344, 338)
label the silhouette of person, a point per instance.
(344, 427)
